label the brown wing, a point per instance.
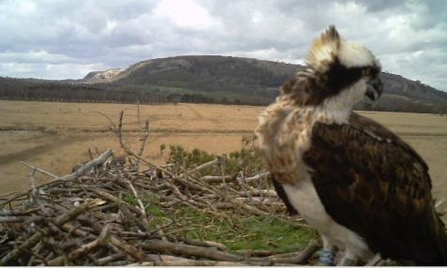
(375, 184)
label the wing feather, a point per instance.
(375, 184)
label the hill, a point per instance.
(208, 79)
(237, 80)
(222, 79)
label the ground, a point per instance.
(57, 136)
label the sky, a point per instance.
(66, 39)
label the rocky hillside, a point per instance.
(404, 94)
(245, 80)
(102, 76)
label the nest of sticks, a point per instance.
(84, 218)
(96, 214)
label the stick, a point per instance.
(205, 165)
(374, 260)
(40, 170)
(89, 165)
(106, 260)
(18, 213)
(143, 140)
(140, 203)
(113, 199)
(4, 219)
(195, 263)
(189, 250)
(70, 215)
(214, 179)
(85, 249)
(169, 260)
(257, 177)
(129, 249)
(303, 256)
(262, 192)
(33, 182)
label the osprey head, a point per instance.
(344, 70)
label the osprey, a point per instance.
(364, 189)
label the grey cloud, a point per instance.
(380, 5)
(409, 37)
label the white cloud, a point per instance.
(26, 7)
(185, 14)
(68, 69)
(34, 56)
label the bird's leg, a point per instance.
(328, 253)
(348, 259)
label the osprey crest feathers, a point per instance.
(324, 50)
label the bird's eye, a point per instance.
(367, 71)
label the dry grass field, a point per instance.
(56, 136)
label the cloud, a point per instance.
(47, 70)
(67, 38)
(185, 14)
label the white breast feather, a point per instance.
(304, 198)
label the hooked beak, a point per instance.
(374, 88)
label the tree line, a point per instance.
(38, 90)
(42, 90)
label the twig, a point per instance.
(140, 203)
(85, 249)
(107, 117)
(33, 182)
(62, 219)
(108, 259)
(40, 170)
(256, 177)
(205, 165)
(189, 250)
(129, 249)
(143, 140)
(302, 257)
(113, 199)
(118, 132)
(374, 260)
(5, 219)
(215, 179)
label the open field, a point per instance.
(56, 136)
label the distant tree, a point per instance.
(174, 98)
